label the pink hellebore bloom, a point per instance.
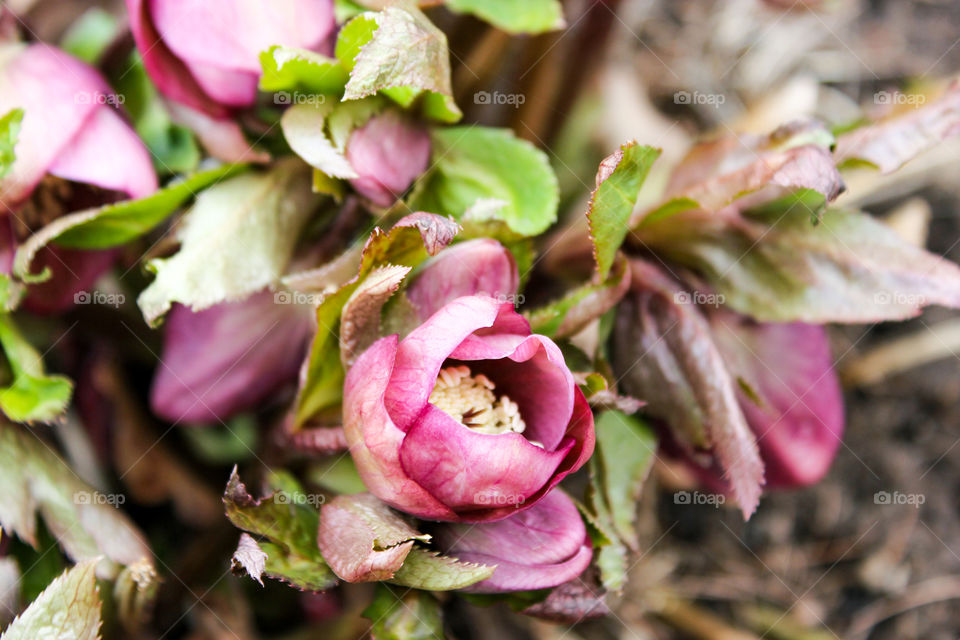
(204, 55)
(228, 358)
(797, 416)
(470, 417)
(388, 152)
(70, 130)
(539, 548)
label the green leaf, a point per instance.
(626, 449)
(304, 127)
(407, 244)
(401, 53)
(86, 524)
(404, 615)
(430, 571)
(9, 133)
(515, 16)
(31, 396)
(472, 163)
(290, 69)
(171, 146)
(88, 36)
(115, 224)
(69, 608)
(337, 474)
(289, 523)
(236, 239)
(618, 184)
(580, 306)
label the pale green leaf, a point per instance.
(430, 571)
(89, 35)
(472, 163)
(31, 395)
(304, 127)
(515, 16)
(9, 133)
(404, 615)
(237, 239)
(289, 70)
(68, 609)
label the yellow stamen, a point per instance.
(470, 400)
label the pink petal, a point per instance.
(59, 95)
(532, 372)
(228, 358)
(541, 547)
(373, 438)
(168, 72)
(465, 469)
(482, 266)
(107, 153)
(421, 354)
(388, 152)
(799, 425)
(223, 139)
(230, 34)
(227, 86)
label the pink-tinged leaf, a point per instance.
(250, 558)
(360, 319)
(789, 393)
(717, 173)
(904, 134)
(573, 602)
(664, 351)
(363, 540)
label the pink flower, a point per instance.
(539, 548)
(470, 417)
(228, 358)
(797, 415)
(71, 131)
(204, 56)
(388, 152)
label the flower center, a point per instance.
(470, 401)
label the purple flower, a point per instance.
(228, 358)
(539, 548)
(71, 138)
(470, 417)
(388, 153)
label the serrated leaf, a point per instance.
(250, 558)
(401, 53)
(515, 16)
(430, 571)
(9, 134)
(68, 609)
(115, 224)
(619, 179)
(86, 524)
(581, 305)
(289, 523)
(472, 163)
(291, 69)
(236, 239)
(32, 395)
(360, 318)
(407, 615)
(773, 265)
(411, 241)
